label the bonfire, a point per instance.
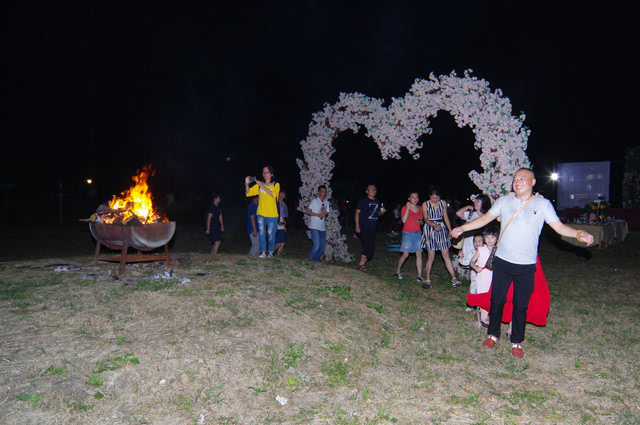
(134, 207)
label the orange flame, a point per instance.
(137, 201)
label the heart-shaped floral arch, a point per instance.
(500, 136)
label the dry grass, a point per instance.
(221, 339)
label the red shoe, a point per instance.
(490, 341)
(517, 351)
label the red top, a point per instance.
(411, 225)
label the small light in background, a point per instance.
(554, 176)
(89, 181)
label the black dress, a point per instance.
(215, 232)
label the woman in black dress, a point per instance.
(215, 225)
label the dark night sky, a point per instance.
(101, 89)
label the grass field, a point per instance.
(238, 340)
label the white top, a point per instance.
(315, 206)
(519, 243)
(468, 250)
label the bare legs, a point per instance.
(401, 261)
(404, 257)
(215, 248)
(431, 256)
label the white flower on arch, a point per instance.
(500, 136)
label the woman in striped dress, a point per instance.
(435, 236)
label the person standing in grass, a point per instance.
(252, 227)
(522, 219)
(267, 213)
(318, 210)
(436, 235)
(468, 213)
(484, 275)
(215, 225)
(368, 210)
(411, 217)
(283, 215)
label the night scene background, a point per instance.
(209, 92)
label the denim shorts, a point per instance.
(411, 241)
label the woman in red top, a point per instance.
(411, 216)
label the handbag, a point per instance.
(489, 264)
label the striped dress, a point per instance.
(432, 240)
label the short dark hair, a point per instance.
(322, 187)
(526, 169)
(492, 231)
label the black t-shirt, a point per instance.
(369, 209)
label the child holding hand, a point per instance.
(484, 275)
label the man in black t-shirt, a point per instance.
(367, 212)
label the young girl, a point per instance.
(484, 276)
(478, 241)
(411, 216)
(267, 214)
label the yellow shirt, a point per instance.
(267, 205)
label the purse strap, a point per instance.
(512, 217)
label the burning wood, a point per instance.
(135, 207)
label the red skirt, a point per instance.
(538, 303)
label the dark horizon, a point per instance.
(101, 90)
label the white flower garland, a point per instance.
(501, 137)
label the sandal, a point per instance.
(455, 282)
(426, 284)
(484, 322)
(363, 269)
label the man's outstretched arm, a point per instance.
(564, 230)
(475, 224)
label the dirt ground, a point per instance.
(240, 340)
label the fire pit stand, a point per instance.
(143, 238)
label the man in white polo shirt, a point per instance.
(318, 209)
(515, 259)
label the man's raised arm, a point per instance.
(475, 224)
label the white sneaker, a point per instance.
(262, 255)
(270, 255)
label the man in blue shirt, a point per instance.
(367, 212)
(252, 227)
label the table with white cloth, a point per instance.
(604, 234)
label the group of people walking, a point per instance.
(426, 227)
(512, 246)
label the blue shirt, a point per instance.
(252, 209)
(368, 214)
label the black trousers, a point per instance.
(368, 240)
(522, 276)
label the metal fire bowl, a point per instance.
(141, 237)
